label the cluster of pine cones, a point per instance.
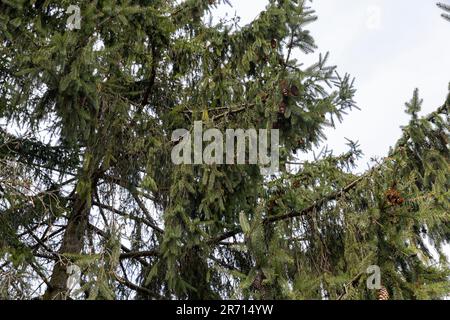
(394, 198)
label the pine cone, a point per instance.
(383, 294)
(274, 43)
(282, 108)
(257, 283)
(284, 88)
(393, 197)
(295, 91)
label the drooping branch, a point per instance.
(124, 248)
(127, 215)
(337, 194)
(135, 287)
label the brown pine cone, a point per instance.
(282, 108)
(284, 88)
(274, 43)
(295, 91)
(383, 294)
(393, 197)
(257, 283)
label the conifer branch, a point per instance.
(446, 8)
(139, 254)
(123, 214)
(335, 195)
(135, 287)
(124, 248)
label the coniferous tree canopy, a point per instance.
(87, 185)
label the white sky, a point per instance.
(390, 47)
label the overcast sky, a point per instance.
(390, 47)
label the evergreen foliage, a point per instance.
(446, 9)
(87, 177)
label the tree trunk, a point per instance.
(72, 243)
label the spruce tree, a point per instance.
(87, 182)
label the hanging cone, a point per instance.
(383, 294)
